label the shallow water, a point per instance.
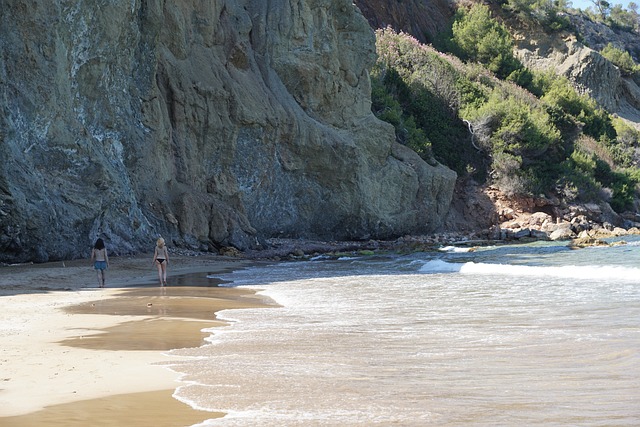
(520, 335)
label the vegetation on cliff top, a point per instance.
(479, 111)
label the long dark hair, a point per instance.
(99, 244)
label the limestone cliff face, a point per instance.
(211, 123)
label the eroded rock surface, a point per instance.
(586, 68)
(212, 123)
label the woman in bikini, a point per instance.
(100, 260)
(161, 259)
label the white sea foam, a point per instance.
(567, 272)
(455, 249)
(444, 342)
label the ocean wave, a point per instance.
(439, 266)
(455, 249)
(568, 271)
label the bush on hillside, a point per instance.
(515, 126)
(428, 94)
(621, 59)
(578, 182)
(528, 141)
(548, 13)
(558, 93)
(386, 107)
(620, 18)
(480, 38)
(621, 183)
(593, 178)
(628, 142)
(506, 173)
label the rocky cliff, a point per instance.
(212, 123)
(420, 18)
(589, 71)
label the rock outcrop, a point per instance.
(422, 19)
(589, 72)
(597, 35)
(211, 123)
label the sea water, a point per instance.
(527, 335)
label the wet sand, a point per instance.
(155, 408)
(74, 355)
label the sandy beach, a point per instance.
(72, 354)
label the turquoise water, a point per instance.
(533, 334)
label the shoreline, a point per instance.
(68, 347)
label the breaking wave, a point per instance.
(621, 273)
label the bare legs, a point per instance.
(102, 278)
(162, 272)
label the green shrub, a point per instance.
(628, 20)
(626, 134)
(621, 184)
(426, 88)
(626, 144)
(506, 170)
(621, 59)
(577, 181)
(541, 82)
(514, 125)
(583, 162)
(577, 186)
(597, 123)
(387, 107)
(480, 38)
(559, 93)
(547, 13)
(522, 77)
(622, 155)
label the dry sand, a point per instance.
(75, 355)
